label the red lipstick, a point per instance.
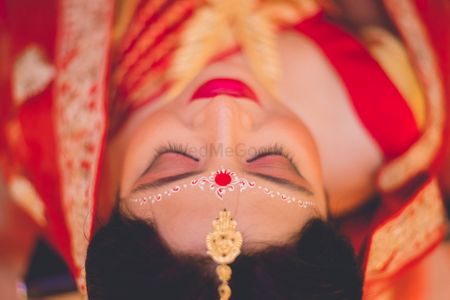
(224, 86)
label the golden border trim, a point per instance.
(83, 45)
(410, 234)
(420, 155)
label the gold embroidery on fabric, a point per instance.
(82, 56)
(408, 235)
(420, 155)
(218, 25)
(25, 196)
(31, 75)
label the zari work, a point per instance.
(85, 29)
(401, 239)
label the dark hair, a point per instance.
(127, 259)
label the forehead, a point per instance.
(185, 218)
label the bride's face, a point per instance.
(223, 120)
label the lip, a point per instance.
(224, 86)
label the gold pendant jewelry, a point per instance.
(224, 245)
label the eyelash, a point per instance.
(175, 148)
(275, 149)
(272, 150)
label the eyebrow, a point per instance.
(170, 179)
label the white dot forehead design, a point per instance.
(220, 182)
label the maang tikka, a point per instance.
(224, 245)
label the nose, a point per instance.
(226, 120)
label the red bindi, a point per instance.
(222, 178)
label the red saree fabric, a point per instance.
(370, 98)
(31, 152)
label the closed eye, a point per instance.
(170, 148)
(275, 150)
(175, 148)
(261, 165)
